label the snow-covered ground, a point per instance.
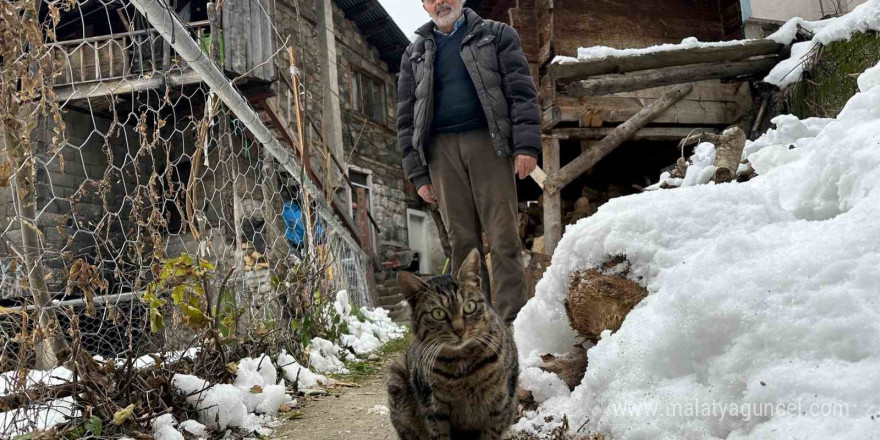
(763, 315)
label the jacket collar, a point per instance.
(473, 20)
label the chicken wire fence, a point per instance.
(139, 212)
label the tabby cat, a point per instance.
(457, 380)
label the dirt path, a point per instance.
(346, 413)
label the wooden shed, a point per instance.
(572, 123)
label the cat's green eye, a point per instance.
(438, 314)
(470, 306)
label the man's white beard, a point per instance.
(450, 18)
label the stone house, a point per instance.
(120, 80)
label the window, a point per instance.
(361, 178)
(368, 95)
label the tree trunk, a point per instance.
(24, 194)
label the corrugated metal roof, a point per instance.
(380, 29)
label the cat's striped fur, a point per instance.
(457, 380)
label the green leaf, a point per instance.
(177, 294)
(294, 325)
(157, 322)
(207, 265)
(93, 425)
(119, 417)
(194, 317)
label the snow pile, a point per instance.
(39, 416)
(298, 375)
(589, 53)
(762, 319)
(869, 79)
(10, 380)
(219, 406)
(195, 428)
(365, 336)
(258, 381)
(699, 171)
(865, 17)
(324, 356)
(164, 428)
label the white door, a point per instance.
(419, 239)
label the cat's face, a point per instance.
(448, 310)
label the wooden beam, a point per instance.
(616, 83)
(552, 199)
(376, 27)
(615, 110)
(620, 134)
(647, 133)
(123, 86)
(359, 10)
(670, 58)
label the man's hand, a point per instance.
(523, 165)
(427, 193)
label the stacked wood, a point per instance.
(608, 75)
(728, 151)
(599, 299)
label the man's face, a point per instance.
(443, 12)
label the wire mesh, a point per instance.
(153, 211)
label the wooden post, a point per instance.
(552, 199)
(363, 224)
(620, 134)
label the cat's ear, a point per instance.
(469, 272)
(410, 284)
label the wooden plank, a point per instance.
(539, 176)
(646, 133)
(253, 35)
(615, 83)
(268, 48)
(617, 109)
(623, 132)
(656, 60)
(235, 15)
(552, 200)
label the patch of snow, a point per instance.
(324, 357)
(298, 375)
(701, 170)
(863, 18)
(869, 78)
(589, 53)
(219, 406)
(42, 416)
(762, 319)
(163, 428)
(378, 410)
(195, 428)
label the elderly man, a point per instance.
(467, 122)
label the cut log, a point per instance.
(728, 151)
(599, 300)
(656, 60)
(570, 367)
(620, 134)
(616, 83)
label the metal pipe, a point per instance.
(169, 26)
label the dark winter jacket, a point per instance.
(492, 53)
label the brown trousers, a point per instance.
(477, 191)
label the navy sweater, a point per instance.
(456, 106)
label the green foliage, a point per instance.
(831, 79)
(94, 426)
(183, 279)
